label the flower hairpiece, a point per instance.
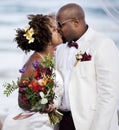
(29, 34)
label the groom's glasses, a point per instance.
(66, 21)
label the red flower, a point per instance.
(34, 85)
(83, 56)
(36, 88)
(24, 99)
(86, 57)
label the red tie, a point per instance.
(73, 44)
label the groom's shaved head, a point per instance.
(71, 22)
(71, 11)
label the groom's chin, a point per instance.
(64, 41)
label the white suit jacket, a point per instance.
(94, 84)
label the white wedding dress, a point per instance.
(37, 121)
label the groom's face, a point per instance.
(66, 28)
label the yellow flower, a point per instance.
(31, 39)
(28, 35)
(31, 32)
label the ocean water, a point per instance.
(13, 14)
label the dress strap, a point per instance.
(40, 55)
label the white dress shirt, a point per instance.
(66, 65)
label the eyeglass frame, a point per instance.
(66, 21)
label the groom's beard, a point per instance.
(64, 40)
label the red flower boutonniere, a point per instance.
(82, 56)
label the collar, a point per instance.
(86, 36)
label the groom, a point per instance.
(89, 63)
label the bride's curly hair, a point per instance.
(42, 34)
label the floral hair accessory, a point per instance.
(29, 34)
(82, 56)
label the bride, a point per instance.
(43, 39)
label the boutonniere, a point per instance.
(82, 56)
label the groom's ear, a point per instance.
(76, 22)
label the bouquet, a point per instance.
(37, 90)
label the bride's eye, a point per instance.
(54, 29)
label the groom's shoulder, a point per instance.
(101, 38)
(98, 35)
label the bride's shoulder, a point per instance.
(34, 57)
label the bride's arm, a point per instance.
(28, 71)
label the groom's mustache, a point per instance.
(63, 38)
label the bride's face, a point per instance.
(56, 37)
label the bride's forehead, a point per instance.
(53, 23)
(53, 20)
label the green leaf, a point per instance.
(48, 62)
(9, 88)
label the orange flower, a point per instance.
(30, 85)
(34, 85)
(35, 74)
